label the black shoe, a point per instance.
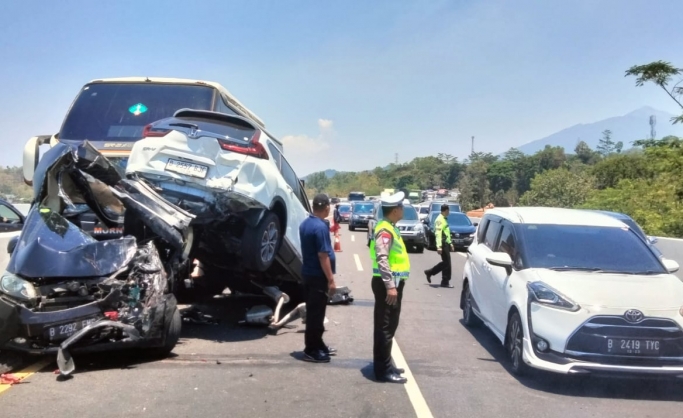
(448, 285)
(330, 351)
(392, 378)
(429, 276)
(399, 371)
(318, 356)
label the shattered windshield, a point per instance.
(51, 246)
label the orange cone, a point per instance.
(337, 244)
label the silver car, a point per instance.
(412, 230)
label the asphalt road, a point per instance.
(231, 370)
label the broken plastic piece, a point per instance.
(259, 315)
(195, 316)
(9, 379)
(112, 316)
(341, 297)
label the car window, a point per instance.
(481, 230)
(458, 219)
(409, 213)
(424, 209)
(365, 208)
(586, 247)
(221, 106)
(120, 111)
(507, 244)
(277, 155)
(492, 234)
(291, 178)
(8, 215)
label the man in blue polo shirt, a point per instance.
(318, 271)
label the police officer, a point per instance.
(442, 235)
(390, 270)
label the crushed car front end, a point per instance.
(64, 291)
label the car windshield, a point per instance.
(120, 111)
(591, 248)
(344, 209)
(363, 208)
(436, 207)
(409, 213)
(458, 219)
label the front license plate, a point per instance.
(628, 346)
(189, 169)
(64, 331)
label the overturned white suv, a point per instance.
(230, 173)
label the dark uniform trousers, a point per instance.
(444, 266)
(316, 305)
(386, 321)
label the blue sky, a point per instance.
(347, 84)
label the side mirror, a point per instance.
(32, 155)
(475, 224)
(12, 244)
(501, 259)
(670, 265)
(652, 240)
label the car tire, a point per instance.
(420, 249)
(352, 228)
(514, 345)
(11, 361)
(172, 327)
(262, 243)
(469, 318)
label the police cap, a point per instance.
(394, 200)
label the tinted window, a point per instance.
(491, 234)
(363, 208)
(409, 213)
(481, 229)
(424, 209)
(507, 244)
(277, 155)
(586, 247)
(119, 112)
(458, 219)
(356, 196)
(344, 208)
(222, 107)
(289, 175)
(7, 215)
(436, 207)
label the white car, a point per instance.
(230, 173)
(572, 291)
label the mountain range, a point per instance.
(627, 128)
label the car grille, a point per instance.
(588, 342)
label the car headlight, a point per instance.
(356, 216)
(543, 294)
(17, 287)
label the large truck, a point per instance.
(113, 113)
(415, 196)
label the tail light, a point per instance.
(253, 148)
(150, 131)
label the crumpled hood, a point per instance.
(625, 291)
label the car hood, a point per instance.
(462, 229)
(627, 291)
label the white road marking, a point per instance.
(353, 237)
(359, 266)
(414, 393)
(462, 254)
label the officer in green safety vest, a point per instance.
(442, 235)
(390, 270)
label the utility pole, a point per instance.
(472, 146)
(396, 157)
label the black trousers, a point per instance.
(316, 305)
(444, 267)
(386, 322)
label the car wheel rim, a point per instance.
(468, 304)
(516, 344)
(269, 242)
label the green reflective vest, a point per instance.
(442, 232)
(398, 254)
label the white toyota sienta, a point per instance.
(574, 292)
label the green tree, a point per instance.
(606, 145)
(559, 188)
(317, 182)
(661, 74)
(609, 171)
(474, 185)
(585, 153)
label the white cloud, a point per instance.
(304, 145)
